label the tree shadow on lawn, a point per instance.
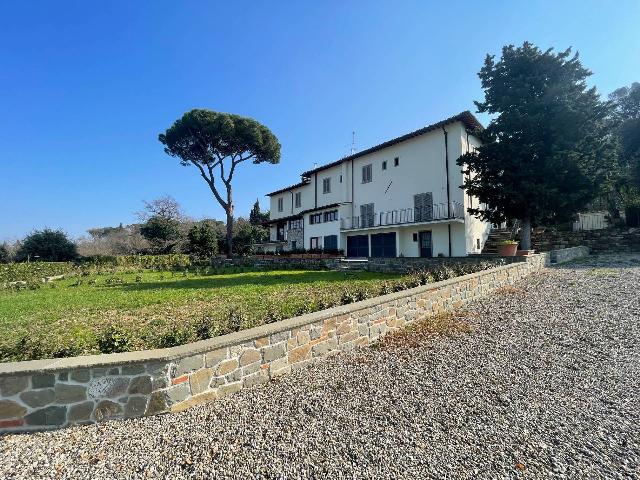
(241, 280)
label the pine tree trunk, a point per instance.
(525, 235)
(229, 234)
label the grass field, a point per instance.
(150, 309)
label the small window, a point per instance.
(331, 216)
(340, 178)
(315, 218)
(315, 243)
(326, 185)
(384, 165)
(280, 204)
(415, 237)
(477, 244)
(298, 199)
(396, 161)
(295, 224)
(367, 174)
(294, 245)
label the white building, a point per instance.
(399, 198)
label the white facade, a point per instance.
(397, 198)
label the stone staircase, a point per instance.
(496, 236)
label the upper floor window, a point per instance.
(367, 173)
(298, 199)
(384, 164)
(396, 161)
(326, 185)
(295, 224)
(331, 216)
(340, 178)
(315, 218)
(280, 204)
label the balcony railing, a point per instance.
(435, 212)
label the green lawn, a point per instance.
(133, 311)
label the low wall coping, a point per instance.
(230, 339)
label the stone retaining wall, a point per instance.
(407, 264)
(44, 394)
(281, 263)
(566, 254)
(598, 241)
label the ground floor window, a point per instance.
(358, 246)
(331, 242)
(383, 245)
(315, 243)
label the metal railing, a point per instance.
(435, 212)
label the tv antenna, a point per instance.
(353, 142)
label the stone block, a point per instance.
(114, 371)
(66, 393)
(279, 337)
(135, 407)
(157, 403)
(108, 387)
(250, 356)
(348, 337)
(261, 342)
(280, 371)
(178, 393)
(229, 388)
(9, 386)
(133, 369)
(200, 380)
(325, 347)
(303, 338)
(274, 352)
(248, 370)
(215, 357)
(38, 398)
(63, 376)
(11, 409)
(195, 400)
(81, 376)
(48, 416)
(256, 379)
(80, 412)
(227, 366)
(43, 380)
(140, 385)
(300, 353)
(107, 409)
(189, 364)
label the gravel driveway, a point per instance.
(544, 385)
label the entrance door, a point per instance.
(358, 246)
(383, 245)
(426, 247)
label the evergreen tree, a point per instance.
(549, 149)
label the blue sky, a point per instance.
(86, 87)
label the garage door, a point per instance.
(358, 246)
(383, 245)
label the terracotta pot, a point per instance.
(507, 249)
(525, 253)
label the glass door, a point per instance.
(426, 247)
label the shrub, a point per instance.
(47, 245)
(4, 254)
(202, 240)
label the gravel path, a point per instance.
(545, 385)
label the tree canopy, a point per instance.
(548, 151)
(216, 143)
(47, 245)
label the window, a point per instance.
(340, 178)
(383, 245)
(396, 161)
(367, 174)
(294, 245)
(295, 224)
(315, 218)
(358, 246)
(331, 216)
(331, 242)
(315, 243)
(415, 237)
(326, 185)
(423, 207)
(280, 204)
(477, 244)
(366, 215)
(384, 165)
(298, 199)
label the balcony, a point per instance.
(434, 213)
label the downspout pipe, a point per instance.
(446, 166)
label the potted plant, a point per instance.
(507, 248)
